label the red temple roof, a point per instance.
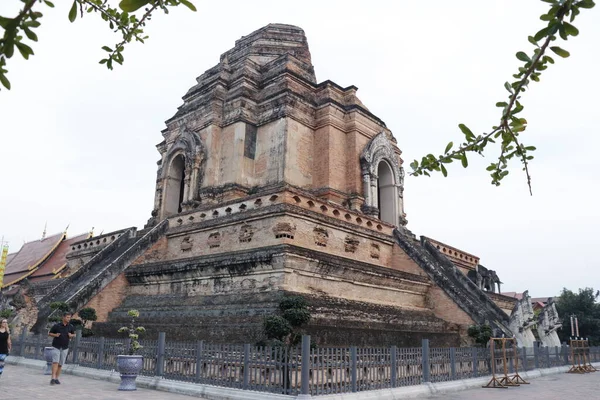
(39, 259)
(52, 267)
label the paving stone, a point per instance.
(561, 386)
(21, 383)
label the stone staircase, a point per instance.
(470, 298)
(80, 287)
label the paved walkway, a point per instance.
(561, 386)
(21, 383)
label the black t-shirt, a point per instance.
(3, 342)
(62, 342)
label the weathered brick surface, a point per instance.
(402, 262)
(299, 154)
(444, 307)
(504, 302)
(157, 252)
(278, 211)
(321, 164)
(109, 298)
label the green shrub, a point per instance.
(87, 314)
(480, 333)
(87, 332)
(76, 322)
(59, 306)
(285, 328)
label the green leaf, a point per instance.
(468, 134)
(106, 48)
(518, 108)
(448, 147)
(25, 50)
(32, 36)
(5, 82)
(586, 4)
(570, 29)
(444, 171)
(501, 104)
(561, 52)
(464, 161)
(562, 33)
(49, 3)
(4, 22)
(73, 12)
(574, 13)
(9, 48)
(532, 40)
(188, 5)
(32, 24)
(132, 5)
(522, 56)
(541, 33)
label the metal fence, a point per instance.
(303, 370)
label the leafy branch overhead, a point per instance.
(128, 20)
(559, 20)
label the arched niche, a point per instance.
(180, 174)
(175, 186)
(383, 180)
(386, 193)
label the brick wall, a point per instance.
(337, 159)
(228, 238)
(321, 157)
(402, 262)
(443, 307)
(109, 298)
(299, 154)
(157, 252)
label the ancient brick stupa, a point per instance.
(271, 183)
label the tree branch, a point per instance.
(510, 124)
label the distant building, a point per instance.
(40, 260)
(536, 302)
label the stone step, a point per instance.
(80, 287)
(456, 285)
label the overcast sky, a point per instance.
(78, 142)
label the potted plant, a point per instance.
(130, 364)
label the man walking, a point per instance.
(61, 332)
